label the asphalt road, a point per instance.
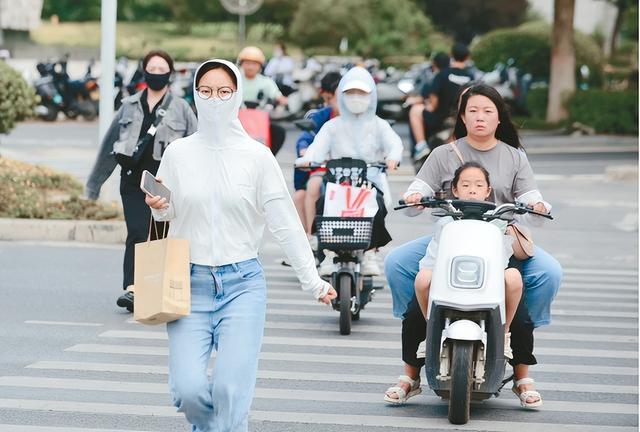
(70, 360)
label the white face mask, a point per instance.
(216, 111)
(357, 104)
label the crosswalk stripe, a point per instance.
(312, 395)
(605, 288)
(360, 343)
(594, 313)
(25, 428)
(64, 323)
(600, 271)
(153, 369)
(325, 358)
(568, 272)
(325, 418)
(387, 315)
(602, 297)
(589, 285)
(428, 423)
(606, 281)
(385, 295)
(558, 322)
(385, 304)
(303, 317)
(543, 334)
(558, 319)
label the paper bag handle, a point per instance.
(165, 231)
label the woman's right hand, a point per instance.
(156, 202)
(414, 198)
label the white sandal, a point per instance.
(403, 396)
(523, 396)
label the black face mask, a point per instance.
(156, 81)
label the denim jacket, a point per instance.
(122, 136)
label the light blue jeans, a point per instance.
(228, 306)
(541, 273)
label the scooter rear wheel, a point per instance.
(345, 304)
(461, 381)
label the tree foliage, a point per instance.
(465, 19)
(373, 27)
(530, 46)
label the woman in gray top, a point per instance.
(146, 123)
(485, 135)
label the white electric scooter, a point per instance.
(466, 313)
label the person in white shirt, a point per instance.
(280, 68)
(225, 187)
(358, 133)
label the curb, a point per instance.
(109, 232)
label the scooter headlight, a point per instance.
(467, 272)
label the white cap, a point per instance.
(357, 84)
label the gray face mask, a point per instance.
(357, 104)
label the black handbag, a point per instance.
(131, 162)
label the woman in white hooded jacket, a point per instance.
(358, 133)
(225, 187)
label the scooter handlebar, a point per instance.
(309, 166)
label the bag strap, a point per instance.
(160, 113)
(457, 150)
(165, 231)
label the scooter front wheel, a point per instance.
(461, 381)
(345, 304)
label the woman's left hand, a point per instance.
(391, 164)
(330, 295)
(539, 208)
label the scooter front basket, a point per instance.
(344, 233)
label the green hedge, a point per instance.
(31, 191)
(614, 112)
(530, 46)
(606, 111)
(17, 98)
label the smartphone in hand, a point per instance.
(151, 186)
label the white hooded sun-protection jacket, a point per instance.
(225, 187)
(360, 136)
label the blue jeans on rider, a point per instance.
(541, 274)
(228, 306)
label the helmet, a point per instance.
(251, 53)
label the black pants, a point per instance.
(277, 138)
(136, 216)
(414, 331)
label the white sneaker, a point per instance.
(327, 266)
(369, 265)
(422, 350)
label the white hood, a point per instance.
(351, 77)
(218, 122)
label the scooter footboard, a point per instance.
(494, 361)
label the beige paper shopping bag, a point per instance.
(162, 284)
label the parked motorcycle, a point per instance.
(512, 84)
(466, 308)
(58, 92)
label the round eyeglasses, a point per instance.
(223, 93)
